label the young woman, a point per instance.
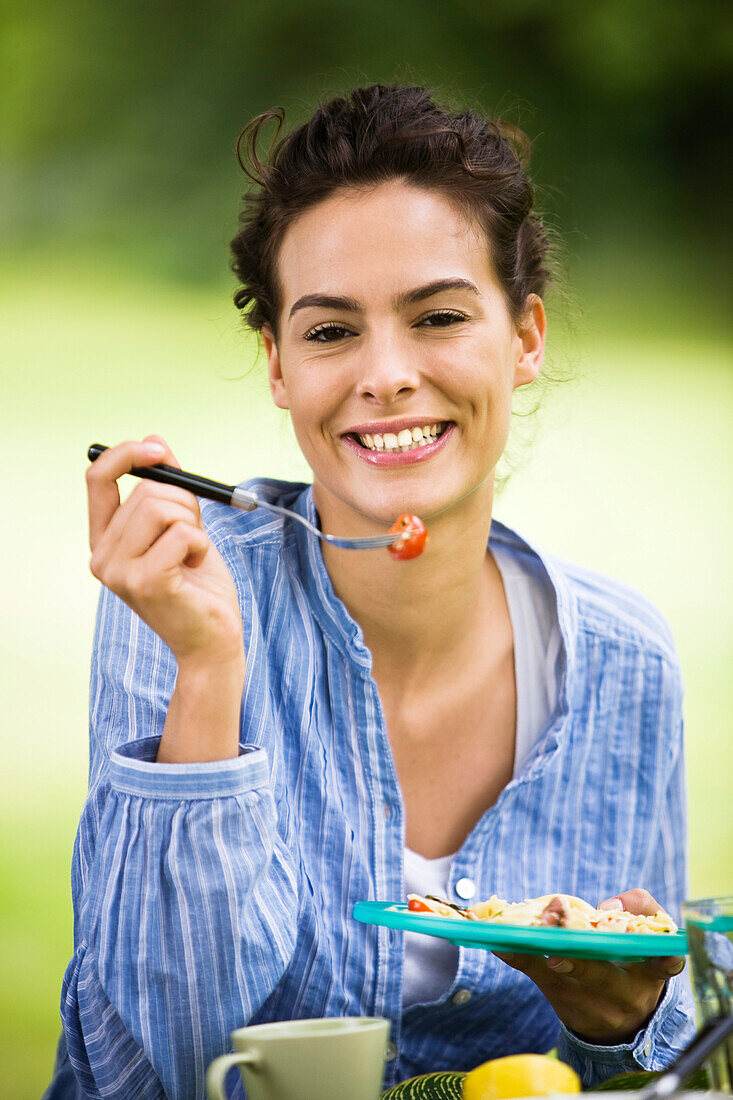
(280, 729)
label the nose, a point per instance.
(386, 374)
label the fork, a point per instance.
(245, 500)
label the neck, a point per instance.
(418, 617)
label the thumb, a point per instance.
(636, 901)
(611, 903)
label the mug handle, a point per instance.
(219, 1068)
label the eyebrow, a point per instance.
(408, 297)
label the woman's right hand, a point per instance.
(153, 552)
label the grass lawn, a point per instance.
(630, 475)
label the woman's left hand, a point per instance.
(603, 1002)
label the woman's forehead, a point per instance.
(391, 237)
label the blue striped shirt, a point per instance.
(210, 895)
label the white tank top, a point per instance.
(430, 964)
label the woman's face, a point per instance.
(392, 321)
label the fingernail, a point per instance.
(612, 903)
(560, 966)
(155, 450)
(675, 968)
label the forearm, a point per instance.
(185, 921)
(203, 721)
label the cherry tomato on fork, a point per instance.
(413, 537)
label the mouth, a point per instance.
(408, 439)
(411, 443)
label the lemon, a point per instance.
(519, 1075)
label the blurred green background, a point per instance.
(119, 193)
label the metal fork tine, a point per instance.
(248, 501)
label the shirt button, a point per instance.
(391, 1052)
(387, 811)
(461, 996)
(648, 1047)
(465, 888)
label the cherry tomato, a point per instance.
(418, 906)
(413, 537)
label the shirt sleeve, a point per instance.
(673, 1024)
(654, 1048)
(184, 887)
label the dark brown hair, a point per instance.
(381, 133)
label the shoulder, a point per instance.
(615, 610)
(595, 604)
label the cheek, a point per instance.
(309, 406)
(316, 388)
(296, 388)
(484, 383)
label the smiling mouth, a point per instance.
(409, 439)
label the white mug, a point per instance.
(292, 1059)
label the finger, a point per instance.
(574, 978)
(149, 498)
(592, 973)
(147, 492)
(134, 527)
(553, 966)
(181, 545)
(132, 532)
(102, 491)
(624, 985)
(662, 968)
(639, 902)
(157, 572)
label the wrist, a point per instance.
(621, 1036)
(203, 722)
(199, 671)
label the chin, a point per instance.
(413, 490)
(423, 501)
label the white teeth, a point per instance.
(405, 440)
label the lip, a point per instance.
(399, 458)
(395, 426)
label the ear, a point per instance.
(274, 372)
(531, 336)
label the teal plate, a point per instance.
(615, 946)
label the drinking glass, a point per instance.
(709, 926)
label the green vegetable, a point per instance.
(449, 1085)
(430, 1086)
(697, 1082)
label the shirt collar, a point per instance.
(329, 611)
(567, 607)
(567, 617)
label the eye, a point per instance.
(327, 333)
(441, 318)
